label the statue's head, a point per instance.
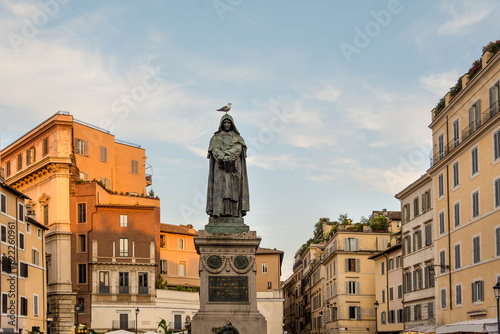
(227, 124)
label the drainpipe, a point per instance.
(449, 222)
(17, 261)
(89, 258)
(387, 282)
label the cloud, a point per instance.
(275, 162)
(439, 83)
(464, 15)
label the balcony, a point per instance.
(472, 127)
(149, 179)
(124, 324)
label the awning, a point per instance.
(472, 326)
(431, 329)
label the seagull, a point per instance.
(226, 108)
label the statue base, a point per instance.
(233, 225)
(228, 292)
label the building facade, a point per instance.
(23, 272)
(418, 254)
(465, 176)
(47, 164)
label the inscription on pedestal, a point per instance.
(228, 289)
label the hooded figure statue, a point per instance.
(227, 179)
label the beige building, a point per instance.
(418, 254)
(465, 176)
(23, 273)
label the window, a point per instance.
(442, 261)
(352, 288)
(21, 212)
(458, 257)
(269, 285)
(82, 243)
(497, 193)
(82, 147)
(456, 180)
(417, 312)
(82, 213)
(123, 283)
(123, 246)
(407, 314)
(134, 167)
(352, 265)
(406, 213)
(4, 233)
(400, 316)
(181, 243)
(182, 269)
(474, 117)
(407, 245)
(475, 204)
(382, 317)
(35, 257)
(399, 261)
(35, 305)
(458, 294)
(264, 267)
(103, 154)
(441, 222)
(143, 283)
(123, 220)
(441, 146)
(5, 299)
(83, 176)
(30, 156)
(456, 133)
(163, 241)
(477, 291)
(426, 201)
(23, 269)
(351, 244)
(82, 273)
(497, 234)
(177, 321)
(45, 147)
(400, 291)
(28, 228)
(104, 282)
(428, 234)
(3, 203)
(383, 296)
(6, 264)
(391, 293)
(496, 145)
(430, 310)
(46, 215)
(476, 249)
(106, 182)
(355, 312)
(440, 186)
(163, 266)
(407, 282)
(21, 240)
(19, 162)
(415, 207)
(443, 298)
(429, 276)
(24, 306)
(382, 268)
(456, 214)
(474, 161)
(7, 169)
(390, 264)
(39, 233)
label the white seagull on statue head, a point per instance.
(226, 108)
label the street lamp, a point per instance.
(78, 307)
(496, 288)
(376, 324)
(136, 313)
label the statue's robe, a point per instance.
(227, 194)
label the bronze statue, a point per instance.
(227, 180)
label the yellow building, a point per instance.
(23, 272)
(178, 257)
(466, 182)
(46, 164)
(268, 269)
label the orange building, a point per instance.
(268, 269)
(49, 164)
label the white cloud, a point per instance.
(464, 15)
(439, 83)
(272, 161)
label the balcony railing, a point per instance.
(472, 127)
(123, 324)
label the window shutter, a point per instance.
(356, 243)
(86, 148)
(358, 288)
(346, 287)
(497, 232)
(474, 297)
(492, 100)
(358, 264)
(480, 291)
(478, 114)
(346, 264)
(346, 244)
(358, 312)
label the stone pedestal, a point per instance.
(227, 278)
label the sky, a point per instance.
(333, 98)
